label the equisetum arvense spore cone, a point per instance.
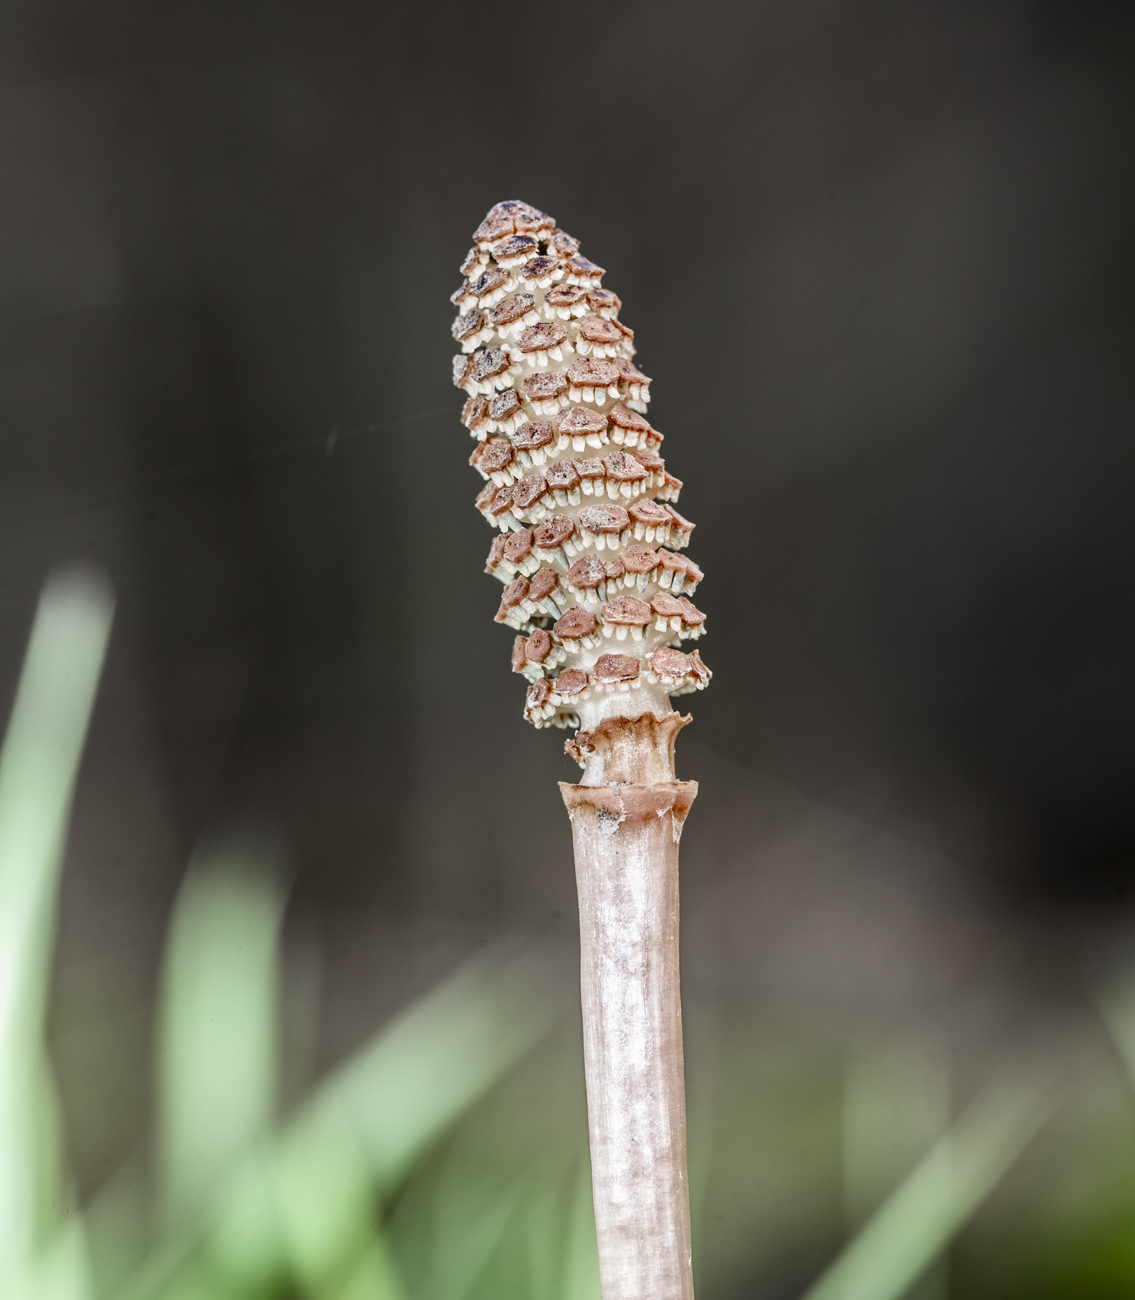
(599, 593)
(590, 543)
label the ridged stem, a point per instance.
(626, 839)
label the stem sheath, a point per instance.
(626, 855)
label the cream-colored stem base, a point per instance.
(626, 856)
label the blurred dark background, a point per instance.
(878, 257)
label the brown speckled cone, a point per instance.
(590, 541)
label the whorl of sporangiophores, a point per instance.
(589, 543)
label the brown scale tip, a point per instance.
(494, 226)
(623, 467)
(589, 467)
(528, 491)
(490, 363)
(536, 433)
(680, 525)
(581, 421)
(564, 295)
(475, 411)
(626, 611)
(680, 564)
(512, 309)
(515, 246)
(553, 532)
(513, 594)
(630, 372)
(496, 552)
(616, 668)
(491, 279)
(666, 606)
(539, 693)
(539, 646)
(543, 583)
(603, 519)
(588, 372)
(699, 669)
(632, 422)
(536, 268)
(463, 368)
(474, 260)
(576, 623)
(691, 615)
(492, 456)
(513, 216)
(585, 268)
(518, 546)
(466, 326)
(676, 563)
(544, 386)
(587, 573)
(504, 405)
(692, 571)
(597, 330)
(519, 654)
(638, 559)
(562, 475)
(570, 682)
(627, 419)
(670, 662)
(649, 513)
(501, 503)
(563, 245)
(604, 300)
(537, 338)
(533, 221)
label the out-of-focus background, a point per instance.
(878, 261)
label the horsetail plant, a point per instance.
(599, 596)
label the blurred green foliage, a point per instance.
(446, 1159)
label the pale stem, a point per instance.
(626, 832)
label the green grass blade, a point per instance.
(306, 1207)
(38, 765)
(217, 1034)
(325, 1195)
(474, 1200)
(896, 1106)
(117, 1219)
(62, 1270)
(437, 1058)
(1116, 1003)
(910, 1229)
(559, 1227)
(581, 1260)
(544, 1227)
(376, 1115)
(373, 1278)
